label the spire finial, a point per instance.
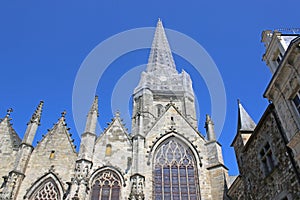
(9, 111)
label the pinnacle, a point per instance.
(245, 122)
(36, 116)
(91, 121)
(94, 107)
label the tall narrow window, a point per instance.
(296, 101)
(175, 172)
(267, 160)
(52, 154)
(108, 150)
(47, 191)
(106, 186)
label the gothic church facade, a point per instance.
(164, 156)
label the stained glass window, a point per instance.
(106, 186)
(175, 175)
(48, 191)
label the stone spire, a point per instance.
(33, 124)
(245, 122)
(210, 130)
(92, 117)
(88, 137)
(160, 55)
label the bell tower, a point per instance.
(161, 84)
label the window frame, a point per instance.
(111, 185)
(183, 173)
(296, 102)
(267, 159)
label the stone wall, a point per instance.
(266, 169)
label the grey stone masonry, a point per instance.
(164, 155)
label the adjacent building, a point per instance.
(268, 153)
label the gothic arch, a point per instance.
(46, 187)
(169, 135)
(106, 183)
(175, 170)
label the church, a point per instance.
(165, 157)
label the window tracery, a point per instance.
(48, 191)
(175, 172)
(106, 186)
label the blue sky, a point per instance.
(43, 43)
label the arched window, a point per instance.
(175, 172)
(47, 191)
(106, 186)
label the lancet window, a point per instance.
(106, 186)
(175, 172)
(47, 191)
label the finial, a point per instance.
(238, 100)
(117, 114)
(159, 19)
(63, 114)
(10, 110)
(208, 118)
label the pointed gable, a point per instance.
(9, 139)
(113, 147)
(9, 146)
(57, 136)
(173, 119)
(55, 152)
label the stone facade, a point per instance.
(163, 156)
(272, 146)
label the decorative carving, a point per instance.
(48, 192)
(137, 187)
(175, 172)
